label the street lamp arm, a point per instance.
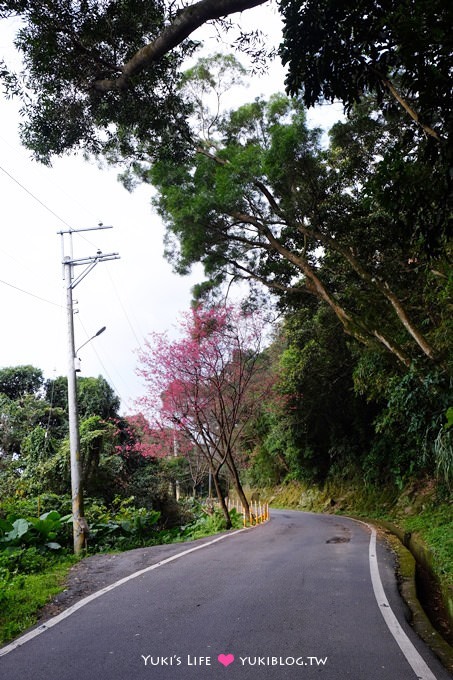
(101, 330)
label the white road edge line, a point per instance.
(414, 659)
(78, 605)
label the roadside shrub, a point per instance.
(121, 527)
(207, 525)
(22, 561)
(44, 532)
(35, 506)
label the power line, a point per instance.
(44, 205)
(21, 263)
(18, 152)
(140, 342)
(27, 292)
(35, 197)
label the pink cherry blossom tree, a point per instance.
(137, 437)
(202, 388)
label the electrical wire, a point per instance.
(73, 231)
(35, 197)
(27, 292)
(21, 263)
(46, 207)
(18, 152)
(139, 342)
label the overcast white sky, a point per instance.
(131, 296)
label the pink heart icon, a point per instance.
(225, 659)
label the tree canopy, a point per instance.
(34, 444)
(399, 50)
(103, 76)
(263, 201)
(17, 381)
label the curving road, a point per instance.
(303, 596)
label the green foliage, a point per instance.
(443, 453)
(149, 483)
(34, 506)
(322, 421)
(34, 436)
(271, 458)
(409, 437)
(17, 381)
(434, 524)
(29, 560)
(38, 451)
(70, 44)
(122, 527)
(208, 524)
(125, 526)
(210, 78)
(27, 583)
(405, 184)
(443, 450)
(358, 225)
(346, 411)
(449, 416)
(19, 417)
(346, 50)
(95, 397)
(47, 467)
(98, 455)
(43, 532)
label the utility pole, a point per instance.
(80, 527)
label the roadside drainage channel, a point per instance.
(431, 608)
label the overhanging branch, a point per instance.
(408, 108)
(184, 24)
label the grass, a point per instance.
(23, 595)
(434, 525)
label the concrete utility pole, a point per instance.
(80, 527)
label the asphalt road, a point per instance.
(293, 598)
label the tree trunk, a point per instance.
(238, 486)
(226, 514)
